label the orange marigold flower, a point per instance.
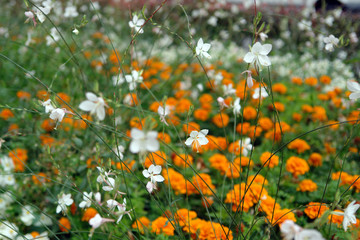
(156, 158)
(162, 225)
(337, 219)
(214, 231)
(297, 166)
(81, 124)
(253, 130)
(6, 114)
(307, 108)
(64, 97)
(42, 95)
(299, 145)
(184, 216)
(201, 114)
(270, 162)
(322, 97)
(319, 114)
(141, 224)
(243, 128)
(267, 204)
(311, 81)
(64, 224)
(297, 117)
(335, 125)
(183, 160)
(203, 184)
(221, 142)
(278, 105)
(243, 162)
(40, 178)
(315, 160)
(315, 210)
(325, 79)
(279, 88)
(19, 157)
(280, 215)
(48, 125)
(177, 182)
(249, 113)
(265, 123)
(296, 80)
(89, 214)
(221, 120)
(307, 185)
(183, 105)
(164, 137)
(329, 149)
(125, 165)
(258, 179)
(47, 140)
(13, 128)
(206, 98)
(23, 95)
(236, 197)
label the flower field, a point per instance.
(205, 121)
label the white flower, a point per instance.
(246, 145)
(7, 163)
(57, 114)
(212, 21)
(41, 12)
(43, 220)
(237, 106)
(70, 11)
(228, 89)
(27, 216)
(197, 139)
(86, 200)
(119, 151)
(263, 36)
(134, 79)
(258, 55)
(53, 37)
(104, 178)
(349, 214)
(64, 200)
(76, 31)
(260, 91)
(94, 105)
(291, 231)
(221, 102)
(136, 23)
(122, 211)
(163, 112)
(7, 179)
(97, 221)
(97, 197)
(153, 173)
(330, 42)
(202, 49)
(30, 16)
(111, 204)
(249, 79)
(8, 230)
(354, 87)
(118, 80)
(48, 106)
(142, 142)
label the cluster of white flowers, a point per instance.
(56, 114)
(6, 172)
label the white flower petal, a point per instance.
(87, 105)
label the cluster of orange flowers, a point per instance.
(188, 222)
(347, 179)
